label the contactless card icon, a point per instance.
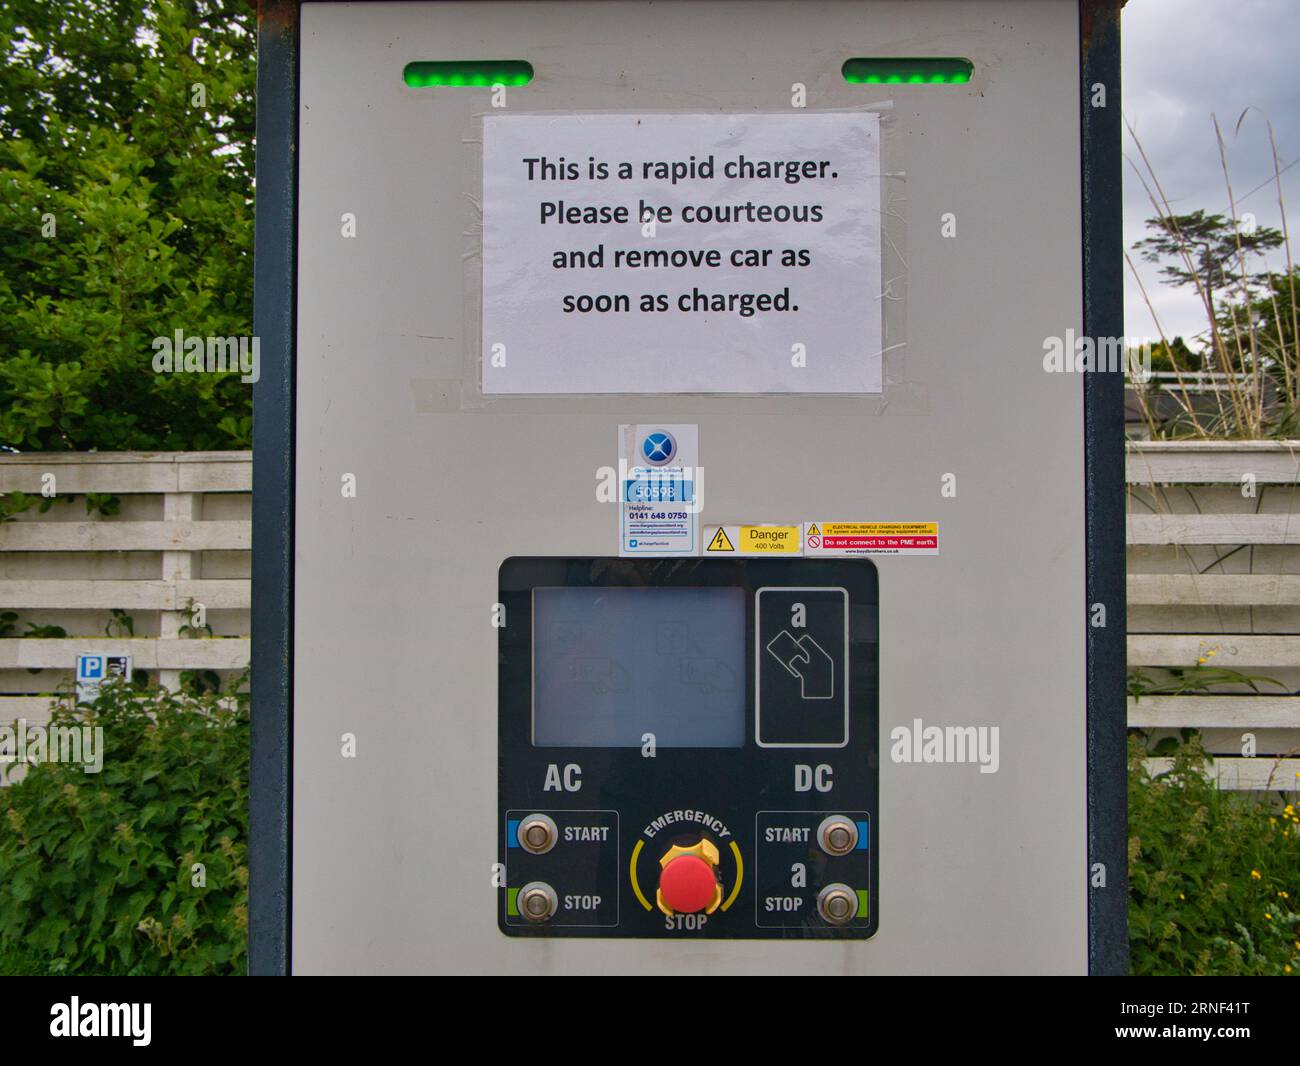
(801, 697)
(807, 660)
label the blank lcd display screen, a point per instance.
(613, 664)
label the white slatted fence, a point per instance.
(1214, 576)
(182, 538)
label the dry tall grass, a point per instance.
(1251, 341)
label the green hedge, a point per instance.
(1214, 877)
(141, 868)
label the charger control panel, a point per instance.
(688, 748)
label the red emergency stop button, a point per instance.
(689, 880)
(687, 885)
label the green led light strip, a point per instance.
(467, 73)
(891, 71)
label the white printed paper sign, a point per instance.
(681, 253)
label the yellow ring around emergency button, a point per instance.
(740, 875)
(636, 888)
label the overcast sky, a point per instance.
(1183, 61)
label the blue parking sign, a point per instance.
(90, 667)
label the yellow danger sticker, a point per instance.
(753, 540)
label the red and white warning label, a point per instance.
(871, 538)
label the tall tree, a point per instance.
(126, 192)
(1211, 252)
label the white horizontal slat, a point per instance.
(1263, 774)
(23, 683)
(1231, 650)
(1220, 590)
(34, 709)
(1213, 462)
(215, 477)
(1206, 712)
(127, 594)
(1267, 742)
(15, 682)
(147, 653)
(1213, 529)
(126, 536)
(128, 472)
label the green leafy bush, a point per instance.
(1213, 876)
(98, 871)
(126, 213)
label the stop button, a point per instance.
(687, 885)
(688, 881)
